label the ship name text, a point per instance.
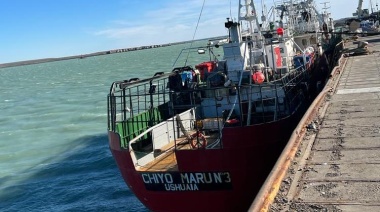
(186, 181)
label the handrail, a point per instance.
(134, 140)
(239, 84)
(139, 136)
(127, 83)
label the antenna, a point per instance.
(324, 8)
(325, 5)
(230, 10)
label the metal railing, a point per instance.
(134, 105)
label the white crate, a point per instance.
(212, 124)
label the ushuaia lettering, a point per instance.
(181, 187)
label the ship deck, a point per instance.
(337, 164)
(166, 161)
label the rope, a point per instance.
(192, 41)
(182, 127)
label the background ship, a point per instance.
(362, 21)
(205, 138)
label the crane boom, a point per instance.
(359, 10)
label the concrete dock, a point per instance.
(335, 164)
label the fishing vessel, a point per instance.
(204, 137)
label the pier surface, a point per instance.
(336, 166)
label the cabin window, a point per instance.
(313, 40)
(304, 42)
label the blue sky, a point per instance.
(34, 29)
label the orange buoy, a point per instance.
(258, 77)
(280, 31)
(232, 121)
(198, 141)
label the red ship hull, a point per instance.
(248, 154)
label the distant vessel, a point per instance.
(362, 20)
(204, 138)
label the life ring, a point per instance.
(198, 141)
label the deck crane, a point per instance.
(361, 13)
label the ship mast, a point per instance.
(249, 15)
(250, 32)
(253, 42)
